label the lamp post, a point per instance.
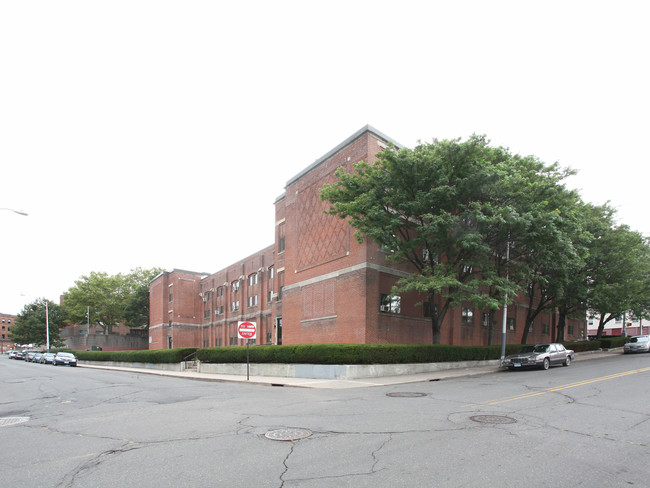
(19, 212)
(505, 306)
(47, 327)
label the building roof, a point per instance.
(327, 155)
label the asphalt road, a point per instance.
(585, 425)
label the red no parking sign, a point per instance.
(247, 330)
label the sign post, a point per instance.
(247, 330)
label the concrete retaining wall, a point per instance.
(337, 371)
(317, 371)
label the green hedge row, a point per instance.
(140, 356)
(332, 353)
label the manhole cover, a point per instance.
(406, 394)
(492, 419)
(287, 434)
(12, 420)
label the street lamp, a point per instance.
(15, 211)
(505, 306)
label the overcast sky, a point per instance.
(159, 133)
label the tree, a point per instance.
(110, 299)
(32, 323)
(136, 309)
(618, 270)
(450, 209)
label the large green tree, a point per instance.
(136, 308)
(618, 271)
(33, 321)
(452, 210)
(106, 300)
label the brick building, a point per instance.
(6, 322)
(316, 283)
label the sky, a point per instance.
(159, 133)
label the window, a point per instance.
(271, 272)
(570, 329)
(220, 291)
(510, 322)
(206, 314)
(268, 338)
(486, 319)
(426, 308)
(170, 296)
(281, 240)
(468, 316)
(252, 301)
(252, 279)
(391, 304)
(270, 295)
(234, 306)
(234, 286)
(545, 329)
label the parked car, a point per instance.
(65, 358)
(637, 344)
(19, 355)
(539, 356)
(12, 354)
(47, 358)
(29, 355)
(37, 357)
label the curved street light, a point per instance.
(15, 211)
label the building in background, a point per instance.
(620, 326)
(317, 284)
(7, 321)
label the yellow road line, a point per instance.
(558, 388)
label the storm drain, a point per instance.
(406, 394)
(493, 419)
(5, 421)
(288, 434)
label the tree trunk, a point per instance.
(561, 325)
(437, 318)
(490, 327)
(601, 326)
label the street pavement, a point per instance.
(344, 383)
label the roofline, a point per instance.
(349, 140)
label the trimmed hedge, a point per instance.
(139, 356)
(353, 353)
(331, 353)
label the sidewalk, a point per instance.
(343, 383)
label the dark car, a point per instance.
(47, 358)
(539, 356)
(65, 358)
(37, 357)
(29, 355)
(19, 355)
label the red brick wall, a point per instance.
(332, 284)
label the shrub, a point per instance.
(138, 356)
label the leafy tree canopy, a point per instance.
(455, 210)
(33, 321)
(110, 300)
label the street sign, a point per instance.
(247, 330)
